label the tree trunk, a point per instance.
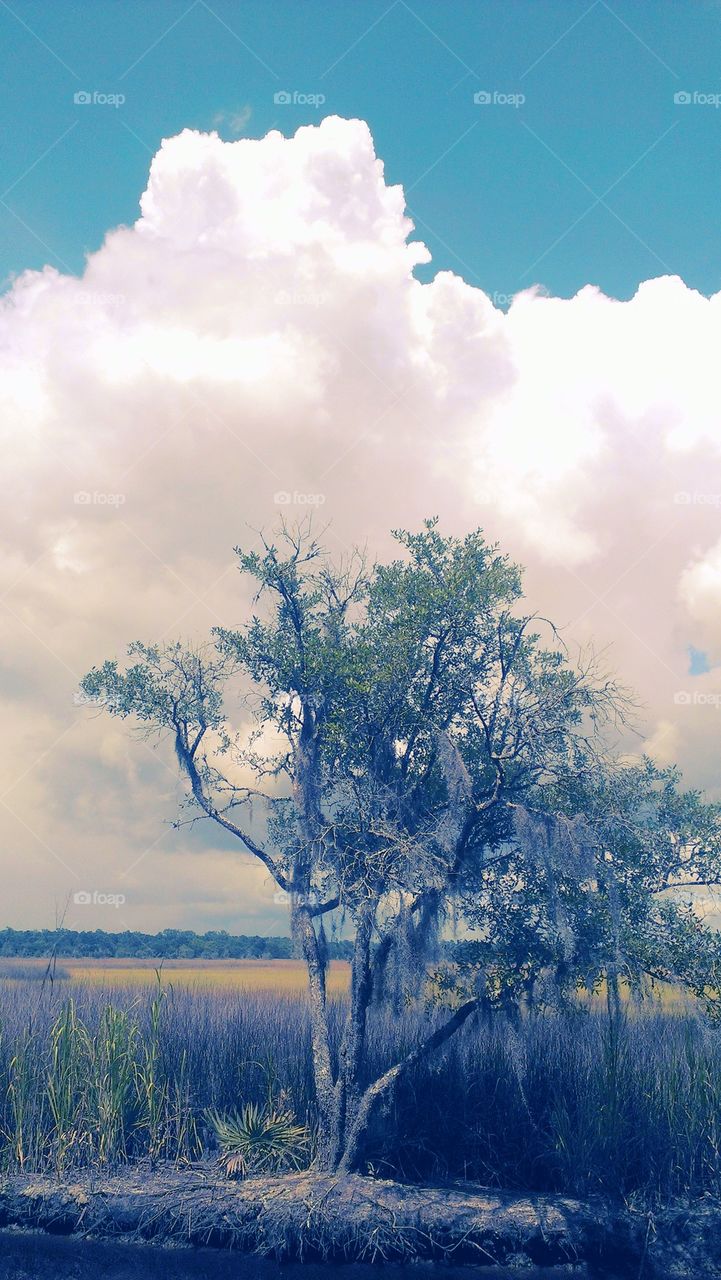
(306, 791)
(325, 1086)
(613, 995)
(382, 1088)
(346, 1094)
(344, 1113)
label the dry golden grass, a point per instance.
(661, 997)
(284, 976)
(281, 976)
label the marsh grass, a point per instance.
(33, 971)
(285, 976)
(573, 1103)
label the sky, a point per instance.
(378, 262)
(597, 177)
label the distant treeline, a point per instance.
(171, 944)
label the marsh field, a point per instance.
(110, 1062)
(198, 975)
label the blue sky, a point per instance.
(599, 176)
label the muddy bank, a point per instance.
(311, 1217)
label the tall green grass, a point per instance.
(575, 1103)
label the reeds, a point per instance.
(574, 1103)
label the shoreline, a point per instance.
(320, 1218)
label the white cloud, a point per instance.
(663, 744)
(700, 590)
(260, 330)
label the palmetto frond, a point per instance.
(259, 1140)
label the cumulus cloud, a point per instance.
(257, 343)
(700, 591)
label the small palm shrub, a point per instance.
(259, 1139)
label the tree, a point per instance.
(604, 883)
(408, 748)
